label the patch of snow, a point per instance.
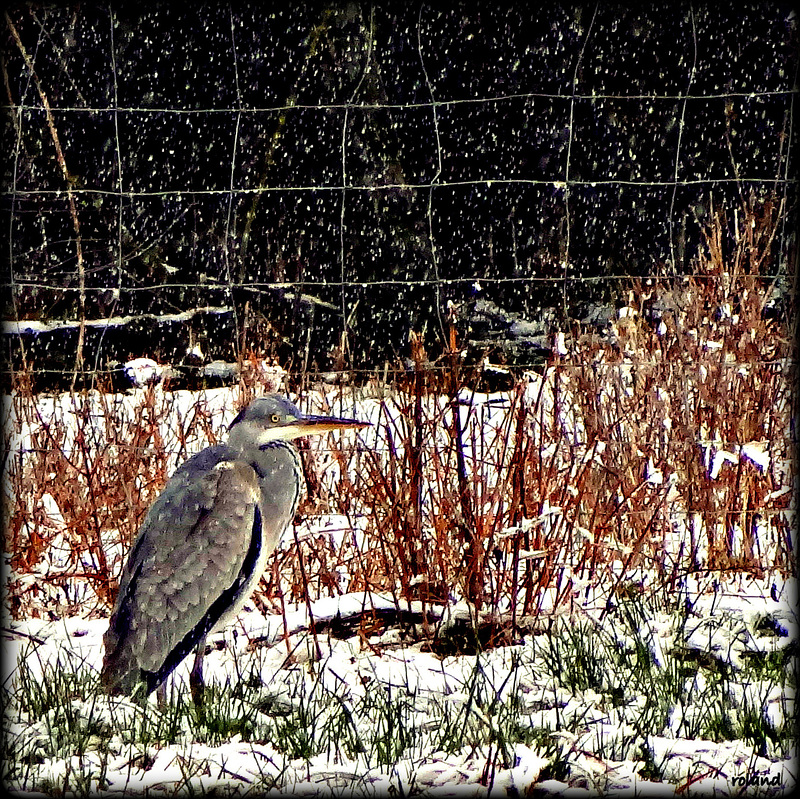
(143, 372)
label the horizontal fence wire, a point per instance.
(558, 184)
(785, 364)
(730, 95)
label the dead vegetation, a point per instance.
(658, 449)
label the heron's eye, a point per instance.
(275, 418)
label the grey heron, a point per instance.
(204, 544)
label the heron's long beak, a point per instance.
(311, 425)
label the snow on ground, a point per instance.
(331, 680)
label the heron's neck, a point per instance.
(271, 453)
(280, 474)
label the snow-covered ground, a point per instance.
(358, 694)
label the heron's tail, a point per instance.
(121, 673)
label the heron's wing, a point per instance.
(197, 546)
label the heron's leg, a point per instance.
(161, 695)
(196, 684)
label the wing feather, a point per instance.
(190, 556)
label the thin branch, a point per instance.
(69, 180)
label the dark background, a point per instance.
(334, 175)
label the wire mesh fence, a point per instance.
(325, 181)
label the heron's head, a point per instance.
(274, 418)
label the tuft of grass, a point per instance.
(53, 715)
